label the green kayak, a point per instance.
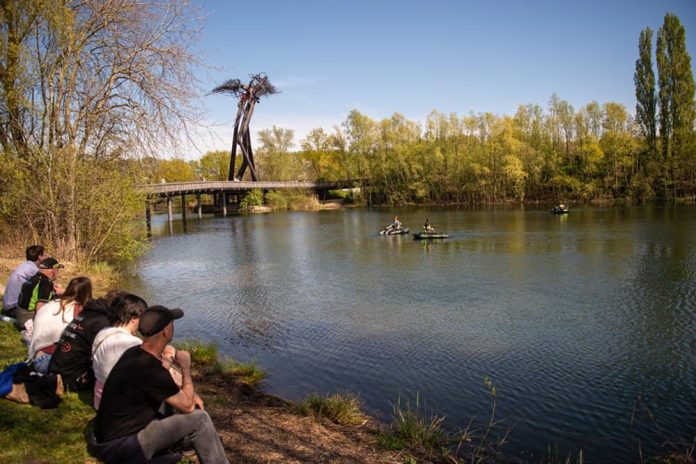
(428, 236)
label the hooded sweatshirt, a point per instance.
(73, 355)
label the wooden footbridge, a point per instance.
(222, 191)
(248, 95)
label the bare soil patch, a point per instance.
(259, 428)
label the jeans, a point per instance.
(196, 427)
(23, 315)
(41, 362)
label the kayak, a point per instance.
(557, 210)
(428, 236)
(394, 232)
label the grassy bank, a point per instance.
(254, 427)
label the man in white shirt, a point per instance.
(111, 342)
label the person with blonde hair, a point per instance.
(52, 318)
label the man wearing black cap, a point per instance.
(38, 290)
(128, 426)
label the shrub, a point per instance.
(276, 200)
(341, 408)
(253, 198)
(301, 200)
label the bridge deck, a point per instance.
(179, 188)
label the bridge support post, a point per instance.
(170, 218)
(223, 200)
(148, 218)
(183, 210)
(200, 207)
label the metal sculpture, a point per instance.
(248, 95)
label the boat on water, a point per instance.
(386, 231)
(559, 210)
(429, 235)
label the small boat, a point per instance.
(394, 231)
(559, 210)
(429, 235)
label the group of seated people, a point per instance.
(118, 347)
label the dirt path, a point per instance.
(257, 428)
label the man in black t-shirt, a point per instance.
(128, 426)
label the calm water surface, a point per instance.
(584, 323)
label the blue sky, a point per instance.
(385, 56)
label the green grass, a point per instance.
(554, 456)
(413, 428)
(32, 435)
(247, 372)
(205, 354)
(12, 349)
(341, 408)
(29, 434)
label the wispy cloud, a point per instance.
(293, 81)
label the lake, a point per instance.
(585, 324)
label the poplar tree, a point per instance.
(644, 79)
(676, 94)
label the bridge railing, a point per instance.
(179, 188)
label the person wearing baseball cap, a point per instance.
(38, 290)
(128, 426)
(35, 254)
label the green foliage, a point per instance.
(214, 165)
(86, 210)
(341, 408)
(176, 170)
(247, 372)
(276, 200)
(276, 161)
(253, 198)
(676, 101)
(644, 79)
(344, 194)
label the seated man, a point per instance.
(20, 274)
(38, 291)
(395, 225)
(128, 426)
(111, 342)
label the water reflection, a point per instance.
(584, 322)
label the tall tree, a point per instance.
(279, 163)
(644, 79)
(676, 94)
(214, 165)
